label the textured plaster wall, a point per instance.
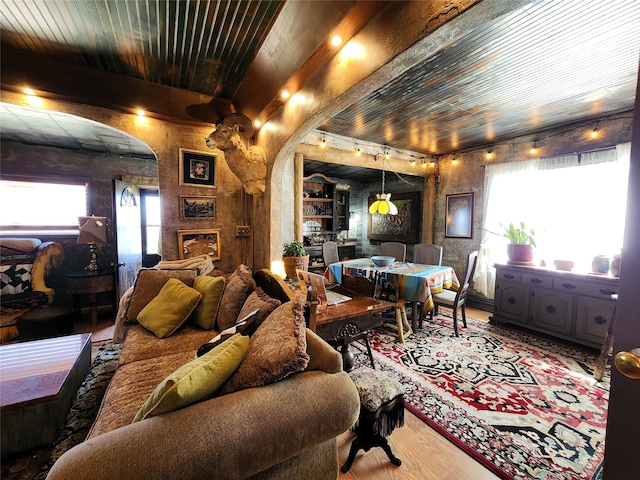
(165, 140)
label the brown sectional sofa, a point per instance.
(285, 430)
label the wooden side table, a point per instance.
(78, 282)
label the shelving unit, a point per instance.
(324, 205)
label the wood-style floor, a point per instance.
(425, 454)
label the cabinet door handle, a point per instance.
(600, 320)
(551, 309)
(606, 291)
(508, 276)
(535, 280)
(569, 286)
(511, 300)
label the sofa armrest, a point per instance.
(322, 356)
(50, 255)
(231, 437)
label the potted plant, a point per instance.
(294, 256)
(521, 243)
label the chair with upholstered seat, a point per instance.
(427, 254)
(330, 253)
(394, 249)
(457, 300)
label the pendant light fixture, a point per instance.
(383, 204)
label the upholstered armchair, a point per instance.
(25, 264)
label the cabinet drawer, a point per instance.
(535, 280)
(599, 290)
(508, 276)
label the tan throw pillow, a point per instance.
(276, 350)
(198, 380)
(148, 284)
(211, 289)
(257, 300)
(172, 306)
(238, 288)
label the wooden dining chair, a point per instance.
(394, 249)
(457, 300)
(330, 253)
(427, 254)
(391, 293)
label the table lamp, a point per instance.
(93, 231)
(277, 268)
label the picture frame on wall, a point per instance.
(403, 227)
(197, 208)
(192, 243)
(459, 215)
(197, 168)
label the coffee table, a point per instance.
(38, 384)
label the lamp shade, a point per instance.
(92, 230)
(383, 205)
(277, 268)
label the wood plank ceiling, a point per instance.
(547, 64)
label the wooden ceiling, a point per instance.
(547, 64)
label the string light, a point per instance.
(412, 162)
(595, 133)
(323, 142)
(433, 163)
(489, 155)
(534, 148)
(424, 163)
(358, 152)
(336, 40)
(454, 161)
(285, 94)
(386, 153)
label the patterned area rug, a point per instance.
(35, 465)
(524, 406)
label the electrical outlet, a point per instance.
(243, 230)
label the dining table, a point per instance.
(417, 282)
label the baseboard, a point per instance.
(485, 304)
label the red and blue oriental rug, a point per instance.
(524, 406)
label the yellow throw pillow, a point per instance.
(197, 380)
(206, 312)
(169, 309)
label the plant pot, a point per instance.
(520, 254)
(293, 263)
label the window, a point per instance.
(576, 204)
(150, 222)
(41, 207)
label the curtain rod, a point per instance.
(593, 150)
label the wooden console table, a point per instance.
(82, 282)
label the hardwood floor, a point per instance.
(425, 454)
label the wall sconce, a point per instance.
(277, 268)
(92, 231)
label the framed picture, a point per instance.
(459, 220)
(198, 242)
(403, 227)
(197, 168)
(197, 208)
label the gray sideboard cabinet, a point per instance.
(572, 306)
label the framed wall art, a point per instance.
(197, 168)
(197, 208)
(459, 219)
(403, 227)
(192, 243)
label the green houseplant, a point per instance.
(294, 256)
(521, 242)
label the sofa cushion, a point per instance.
(238, 288)
(211, 289)
(130, 387)
(148, 284)
(263, 303)
(276, 350)
(197, 380)
(170, 308)
(141, 344)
